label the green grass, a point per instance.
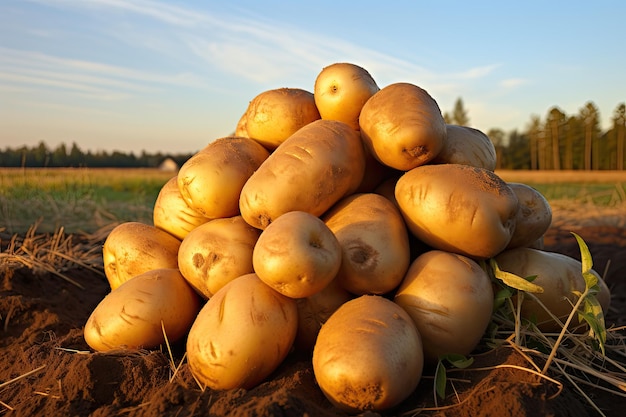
(604, 195)
(80, 200)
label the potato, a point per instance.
(534, 216)
(368, 355)
(468, 146)
(402, 126)
(211, 180)
(241, 334)
(171, 212)
(374, 243)
(458, 208)
(450, 299)
(341, 90)
(130, 316)
(313, 311)
(217, 252)
(274, 115)
(312, 170)
(297, 255)
(241, 130)
(133, 248)
(558, 275)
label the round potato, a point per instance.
(534, 216)
(130, 316)
(402, 126)
(133, 248)
(374, 243)
(241, 334)
(458, 208)
(172, 214)
(341, 90)
(368, 355)
(559, 275)
(211, 180)
(450, 299)
(274, 115)
(297, 255)
(217, 252)
(468, 146)
(312, 170)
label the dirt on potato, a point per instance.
(47, 369)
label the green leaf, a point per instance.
(458, 361)
(501, 296)
(585, 255)
(440, 380)
(514, 281)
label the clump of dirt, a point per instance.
(46, 368)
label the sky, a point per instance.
(157, 76)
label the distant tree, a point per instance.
(589, 117)
(517, 153)
(447, 118)
(554, 122)
(459, 114)
(497, 137)
(535, 134)
(619, 128)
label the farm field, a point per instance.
(52, 226)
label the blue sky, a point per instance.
(173, 76)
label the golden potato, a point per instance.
(374, 243)
(297, 255)
(312, 170)
(241, 334)
(450, 299)
(133, 248)
(402, 126)
(458, 208)
(172, 214)
(534, 216)
(274, 115)
(211, 180)
(130, 316)
(468, 146)
(368, 355)
(217, 252)
(341, 90)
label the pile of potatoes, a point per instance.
(348, 223)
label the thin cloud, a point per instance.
(513, 82)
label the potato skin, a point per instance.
(450, 299)
(211, 180)
(171, 212)
(274, 115)
(130, 316)
(241, 334)
(374, 242)
(458, 208)
(558, 275)
(217, 252)
(133, 248)
(533, 218)
(368, 355)
(402, 126)
(312, 170)
(468, 146)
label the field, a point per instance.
(52, 226)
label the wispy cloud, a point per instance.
(513, 82)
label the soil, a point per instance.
(42, 317)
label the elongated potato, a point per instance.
(217, 252)
(312, 170)
(130, 316)
(211, 180)
(558, 275)
(274, 115)
(458, 208)
(241, 334)
(374, 243)
(402, 126)
(172, 214)
(341, 90)
(468, 146)
(534, 216)
(133, 248)
(368, 355)
(297, 255)
(450, 299)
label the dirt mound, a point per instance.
(47, 369)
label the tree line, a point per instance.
(557, 142)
